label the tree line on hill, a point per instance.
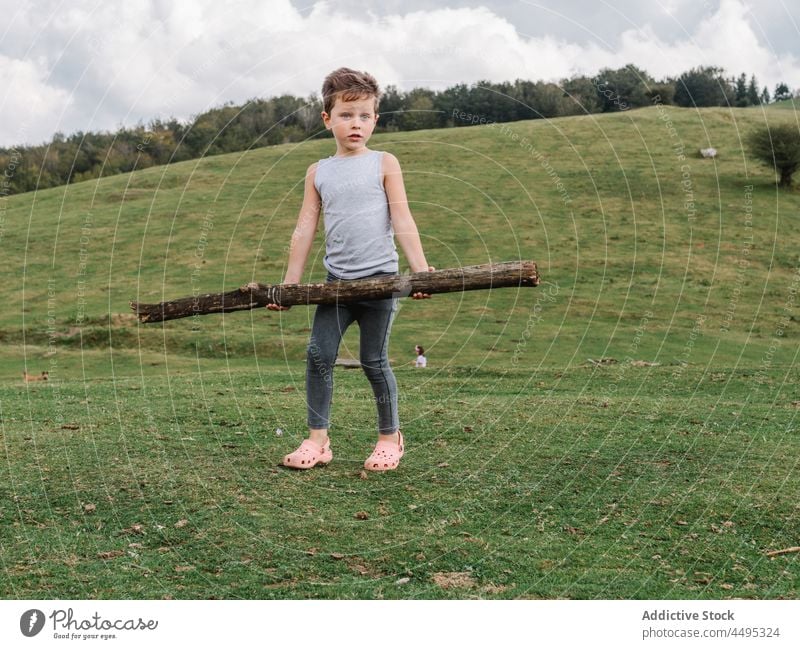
(262, 122)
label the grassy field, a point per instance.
(790, 104)
(626, 430)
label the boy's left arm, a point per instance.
(405, 228)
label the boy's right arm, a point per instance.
(304, 233)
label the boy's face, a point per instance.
(352, 123)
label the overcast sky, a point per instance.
(94, 65)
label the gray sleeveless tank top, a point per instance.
(359, 239)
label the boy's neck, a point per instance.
(352, 154)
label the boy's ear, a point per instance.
(325, 118)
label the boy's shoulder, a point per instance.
(390, 161)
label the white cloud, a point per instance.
(29, 101)
(725, 39)
(95, 67)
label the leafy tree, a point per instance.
(582, 93)
(782, 92)
(753, 98)
(661, 93)
(740, 85)
(200, 134)
(765, 98)
(309, 115)
(703, 86)
(491, 100)
(623, 88)
(419, 112)
(542, 99)
(452, 101)
(287, 109)
(779, 147)
(507, 106)
(391, 105)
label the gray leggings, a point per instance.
(374, 319)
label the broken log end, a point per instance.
(143, 311)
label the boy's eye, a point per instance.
(349, 115)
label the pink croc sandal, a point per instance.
(308, 455)
(386, 456)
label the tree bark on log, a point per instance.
(468, 278)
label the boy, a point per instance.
(363, 197)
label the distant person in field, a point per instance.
(362, 195)
(421, 360)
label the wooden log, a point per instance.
(468, 278)
(777, 553)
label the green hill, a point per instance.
(148, 468)
(625, 232)
(790, 104)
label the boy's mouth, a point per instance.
(354, 137)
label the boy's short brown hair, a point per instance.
(348, 85)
